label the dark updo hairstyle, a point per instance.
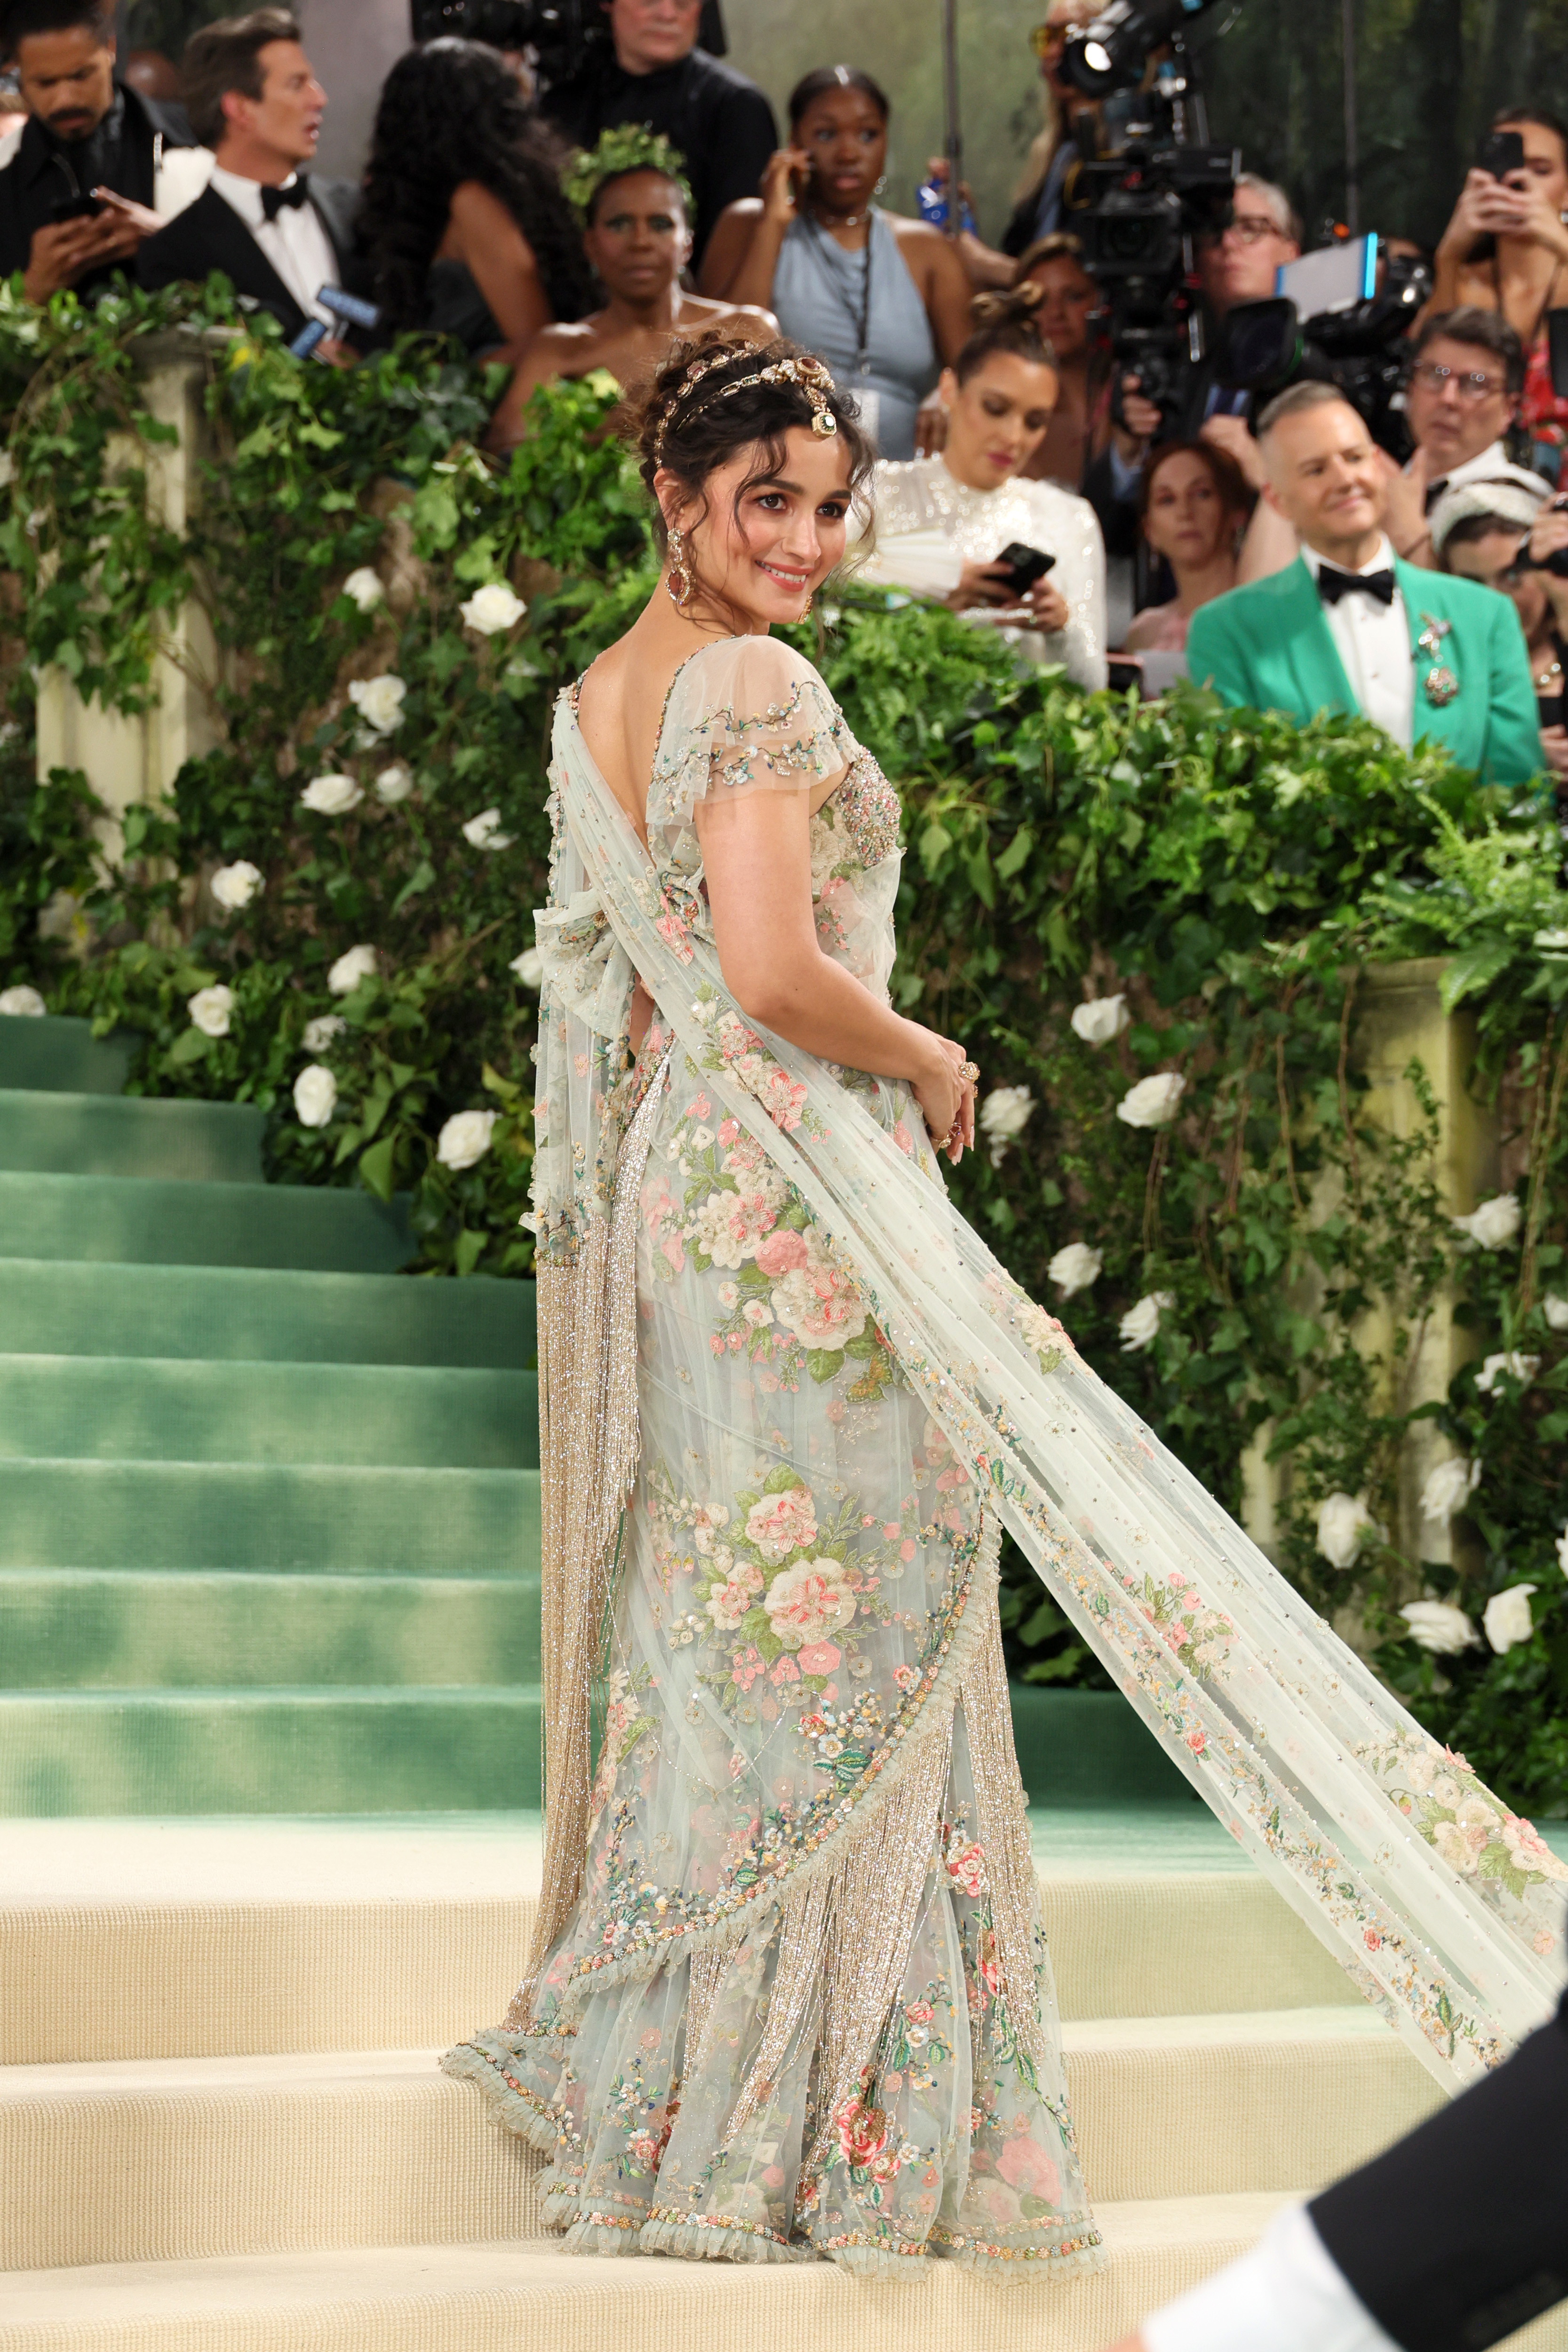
(1004, 323)
(707, 429)
(824, 78)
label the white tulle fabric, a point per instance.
(1444, 1908)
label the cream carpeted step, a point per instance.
(533, 2298)
(196, 1938)
(510, 2298)
(146, 2160)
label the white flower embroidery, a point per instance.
(780, 1523)
(818, 1302)
(807, 1601)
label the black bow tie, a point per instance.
(274, 199)
(1333, 584)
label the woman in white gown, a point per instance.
(942, 522)
(788, 1997)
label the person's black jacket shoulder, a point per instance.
(32, 183)
(721, 123)
(209, 234)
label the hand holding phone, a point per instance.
(1025, 565)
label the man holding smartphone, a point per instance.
(86, 183)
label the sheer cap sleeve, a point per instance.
(743, 715)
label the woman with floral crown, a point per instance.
(788, 1998)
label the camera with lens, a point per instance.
(1138, 211)
(1359, 346)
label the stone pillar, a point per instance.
(130, 759)
(1399, 1019)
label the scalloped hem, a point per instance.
(717, 2242)
(482, 2061)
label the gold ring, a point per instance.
(969, 1070)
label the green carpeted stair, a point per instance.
(269, 1511)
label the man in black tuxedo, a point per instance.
(277, 237)
(89, 142)
(1447, 2243)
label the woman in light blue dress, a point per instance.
(882, 299)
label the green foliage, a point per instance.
(1226, 874)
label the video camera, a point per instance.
(1138, 212)
(1359, 344)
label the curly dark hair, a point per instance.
(1004, 322)
(708, 430)
(449, 112)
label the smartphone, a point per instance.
(1025, 566)
(70, 208)
(1501, 152)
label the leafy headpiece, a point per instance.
(625, 147)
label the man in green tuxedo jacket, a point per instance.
(1350, 627)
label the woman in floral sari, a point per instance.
(789, 1997)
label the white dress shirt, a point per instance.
(296, 244)
(1492, 465)
(1372, 640)
(1286, 2295)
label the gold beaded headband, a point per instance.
(808, 373)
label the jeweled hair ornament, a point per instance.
(808, 374)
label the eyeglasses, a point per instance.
(1251, 228)
(1471, 387)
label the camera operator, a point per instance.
(1236, 264)
(653, 73)
(83, 188)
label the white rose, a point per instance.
(393, 784)
(353, 966)
(484, 831)
(1438, 1626)
(1522, 1368)
(379, 701)
(1152, 1101)
(330, 796)
(1099, 1023)
(1556, 1311)
(315, 1096)
(529, 967)
(1075, 1267)
(1343, 1524)
(492, 608)
(1004, 1113)
(1449, 1840)
(1140, 1323)
(236, 886)
(1563, 1551)
(364, 586)
(210, 1009)
(320, 1033)
(1449, 1488)
(465, 1137)
(1494, 1223)
(1507, 1619)
(21, 1001)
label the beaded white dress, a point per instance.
(930, 525)
(788, 1998)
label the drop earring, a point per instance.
(679, 581)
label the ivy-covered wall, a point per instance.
(1149, 925)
